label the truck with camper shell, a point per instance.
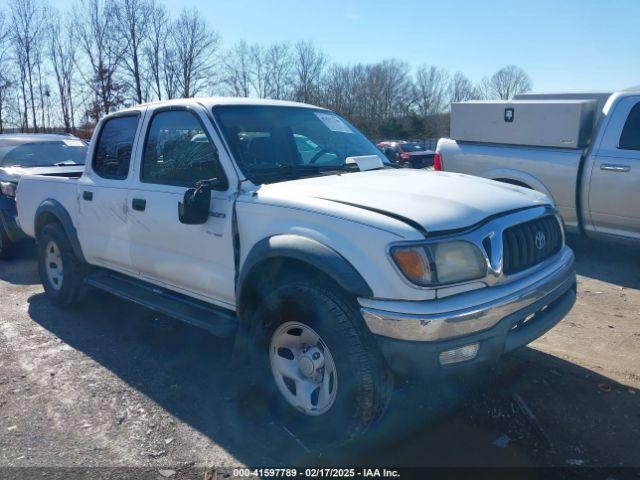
(580, 149)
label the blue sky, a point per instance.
(562, 44)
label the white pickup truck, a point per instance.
(595, 183)
(280, 225)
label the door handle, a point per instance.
(87, 195)
(610, 167)
(139, 204)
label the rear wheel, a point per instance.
(326, 378)
(61, 272)
(5, 243)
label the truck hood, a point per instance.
(13, 174)
(427, 200)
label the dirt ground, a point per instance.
(112, 384)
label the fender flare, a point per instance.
(293, 247)
(307, 250)
(518, 176)
(55, 208)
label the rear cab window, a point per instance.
(114, 146)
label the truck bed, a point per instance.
(33, 190)
(553, 171)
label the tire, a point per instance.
(5, 243)
(362, 383)
(55, 254)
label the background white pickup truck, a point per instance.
(278, 224)
(595, 186)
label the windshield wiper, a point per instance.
(303, 168)
(66, 163)
(296, 171)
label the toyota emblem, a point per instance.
(541, 240)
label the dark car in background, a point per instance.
(412, 154)
(40, 154)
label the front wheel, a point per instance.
(327, 379)
(61, 272)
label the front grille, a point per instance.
(529, 243)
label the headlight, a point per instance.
(440, 263)
(8, 189)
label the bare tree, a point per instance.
(371, 96)
(103, 50)
(195, 46)
(27, 20)
(309, 65)
(334, 88)
(509, 81)
(62, 56)
(278, 71)
(109, 53)
(258, 71)
(5, 72)
(461, 88)
(154, 48)
(483, 90)
(133, 18)
(43, 92)
(237, 70)
(387, 90)
(170, 71)
(430, 90)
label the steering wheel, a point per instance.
(320, 153)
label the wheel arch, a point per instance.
(521, 179)
(275, 258)
(50, 211)
(517, 183)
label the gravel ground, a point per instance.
(112, 384)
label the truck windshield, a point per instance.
(42, 154)
(274, 143)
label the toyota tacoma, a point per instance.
(329, 270)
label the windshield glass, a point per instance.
(272, 143)
(43, 154)
(411, 147)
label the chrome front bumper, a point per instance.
(471, 312)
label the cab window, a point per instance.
(179, 152)
(630, 138)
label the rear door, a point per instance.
(178, 150)
(102, 192)
(614, 190)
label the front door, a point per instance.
(194, 259)
(102, 191)
(614, 193)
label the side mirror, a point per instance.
(196, 204)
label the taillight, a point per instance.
(437, 163)
(405, 156)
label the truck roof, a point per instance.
(210, 102)
(16, 138)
